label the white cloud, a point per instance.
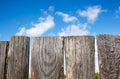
(78, 28)
(43, 11)
(39, 28)
(51, 8)
(91, 13)
(66, 17)
(118, 12)
(74, 30)
(22, 31)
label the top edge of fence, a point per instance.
(4, 41)
(63, 36)
(107, 35)
(80, 36)
(85, 36)
(47, 36)
(20, 36)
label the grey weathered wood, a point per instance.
(18, 58)
(3, 53)
(80, 53)
(109, 56)
(47, 58)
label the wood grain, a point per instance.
(3, 54)
(109, 56)
(18, 58)
(80, 53)
(47, 58)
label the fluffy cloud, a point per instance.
(22, 31)
(67, 18)
(39, 28)
(91, 13)
(74, 30)
(48, 11)
(118, 12)
(51, 8)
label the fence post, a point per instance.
(47, 58)
(80, 53)
(109, 56)
(3, 61)
(18, 58)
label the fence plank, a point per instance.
(109, 56)
(3, 53)
(80, 53)
(47, 58)
(18, 58)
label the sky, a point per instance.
(36, 18)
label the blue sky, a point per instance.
(58, 17)
(78, 17)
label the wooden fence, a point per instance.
(47, 57)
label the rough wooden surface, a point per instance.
(3, 53)
(18, 58)
(47, 58)
(80, 53)
(109, 56)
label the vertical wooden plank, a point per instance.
(80, 53)
(47, 58)
(109, 56)
(18, 58)
(3, 53)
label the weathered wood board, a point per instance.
(47, 58)
(109, 56)
(3, 54)
(18, 58)
(80, 54)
